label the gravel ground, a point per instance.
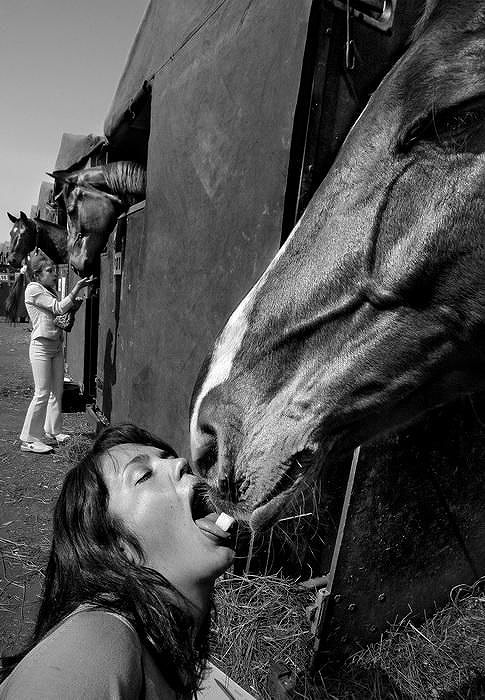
(29, 484)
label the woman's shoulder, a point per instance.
(96, 623)
(34, 288)
(90, 653)
(34, 285)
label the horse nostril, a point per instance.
(205, 458)
(223, 485)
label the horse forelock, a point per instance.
(21, 234)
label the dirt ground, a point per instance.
(29, 484)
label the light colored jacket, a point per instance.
(42, 305)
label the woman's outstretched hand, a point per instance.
(83, 282)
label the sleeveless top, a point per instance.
(92, 654)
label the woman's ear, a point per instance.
(128, 551)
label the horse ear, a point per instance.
(113, 198)
(64, 176)
(12, 218)
(23, 216)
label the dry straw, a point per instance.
(262, 620)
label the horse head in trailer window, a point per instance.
(94, 198)
(373, 310)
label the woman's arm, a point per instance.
(37, 295)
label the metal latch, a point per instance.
(316, 614)
(377, 13)
(117, 269)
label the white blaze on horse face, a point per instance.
(228, 344)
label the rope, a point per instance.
(188, 38)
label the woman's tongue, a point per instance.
(208, 526)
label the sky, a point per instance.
(60, 64)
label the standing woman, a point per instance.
(43, 423)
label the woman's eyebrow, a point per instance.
(137, 461)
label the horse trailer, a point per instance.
(238, 110)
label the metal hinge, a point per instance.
(377, 13)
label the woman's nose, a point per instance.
(181, 467)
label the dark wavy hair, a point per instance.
(87, 564)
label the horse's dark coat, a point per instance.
(374, 311)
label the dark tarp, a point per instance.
(75, 150)
(164, 27)
(222, 120)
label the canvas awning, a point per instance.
(75, 150)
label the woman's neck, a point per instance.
(46, 286)
(200, 596)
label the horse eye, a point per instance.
(454, 129)
(450, 128)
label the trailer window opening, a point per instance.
(129, 139)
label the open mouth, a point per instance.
(206, 511)
(202, 502)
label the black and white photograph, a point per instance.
(242, 350)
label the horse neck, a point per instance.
(53, 241)
(16, 296)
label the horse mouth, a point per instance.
(278, 499)
(205, 500)
(261, 513)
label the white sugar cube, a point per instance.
(224, 521)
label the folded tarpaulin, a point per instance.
(45, 196)
(75, 150)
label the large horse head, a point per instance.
(91, 216)
(373, 310)
(22, 238)
(94, 198)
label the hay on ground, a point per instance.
(262, 620)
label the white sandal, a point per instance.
(38, 447)
(60, 438)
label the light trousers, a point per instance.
(44, 415)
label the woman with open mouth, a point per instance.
(126, 605)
